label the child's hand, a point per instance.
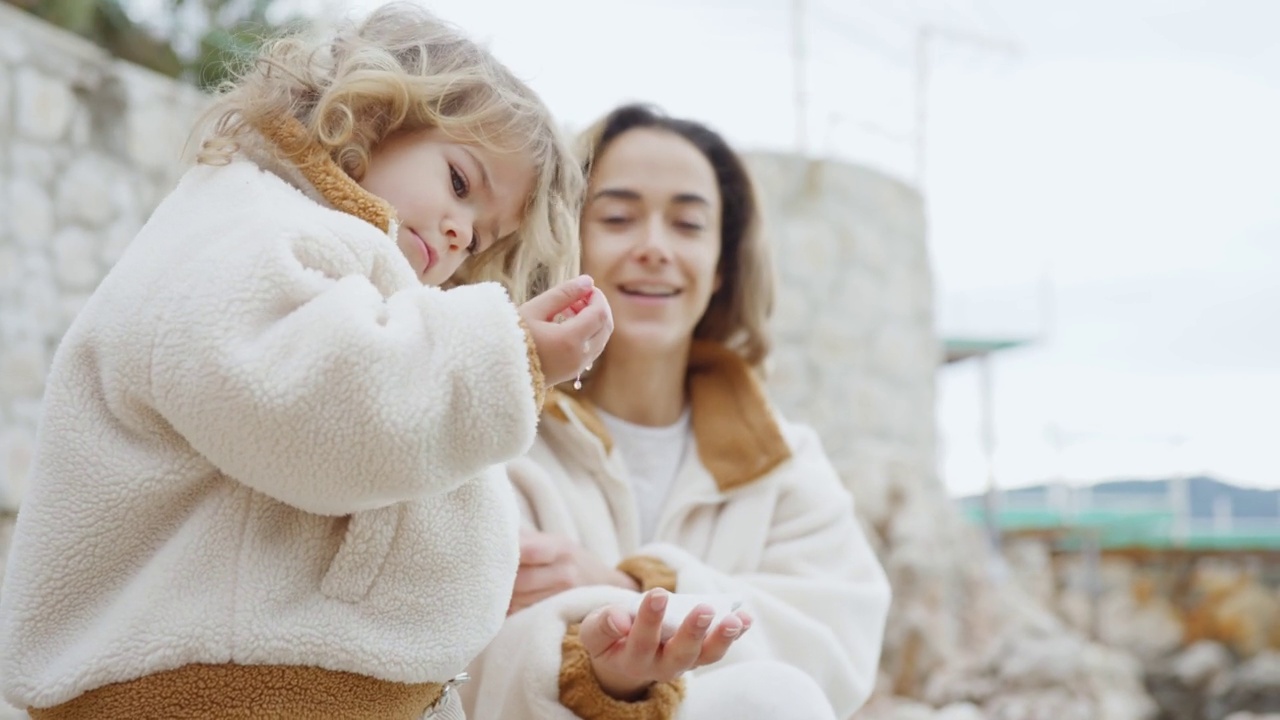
(566, 347)
(627, 654)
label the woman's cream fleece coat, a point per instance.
(265, 443)
(757, 511)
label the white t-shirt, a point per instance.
(653, 456)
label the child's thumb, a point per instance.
(560, 297)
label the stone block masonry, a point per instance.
(88, 146)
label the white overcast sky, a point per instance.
(1112, 191)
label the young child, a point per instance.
(265, 483)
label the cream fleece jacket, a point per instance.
(758, 511)
(265, 443)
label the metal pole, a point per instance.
(1092, 550)
(798, 67)
(989, 448)
(923, 35)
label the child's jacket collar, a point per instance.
(313, 170)
(735, 430)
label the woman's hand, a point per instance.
(569, 343)
(627, 654)
(551, 564)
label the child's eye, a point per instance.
(615, 220)
(689, 226)
(459, 182)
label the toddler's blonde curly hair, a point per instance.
(403, 69)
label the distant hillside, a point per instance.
(1204, 493)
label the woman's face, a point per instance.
(651, 237)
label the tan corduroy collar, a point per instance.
(738, 438)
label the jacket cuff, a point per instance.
(581, 693)
(535, 368)
(650, 572)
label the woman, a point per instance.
(670, 470)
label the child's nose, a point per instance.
(457, 234)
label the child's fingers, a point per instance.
(559, 298)
(594, 324)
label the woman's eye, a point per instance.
(615, 220)
(474, 247)
(689, 226)
(459, 182)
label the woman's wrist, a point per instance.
(622, 689)
(625, 581)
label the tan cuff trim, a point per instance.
(650, 572)
(535, 368)
(581, 693)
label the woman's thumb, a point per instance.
(603, 627)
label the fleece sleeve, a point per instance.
(288, 369)
(819, 597)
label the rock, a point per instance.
(44, 105)
(1038, 668)
(116, 240)
(30, 216)
(22, 368)
(85, 191)
(1150, 629)
(17, 449)
(896, 708)
(960, 711)
(38, 295)
(6, 92)
(12, 49)
(10, 267)
(1253, 686)
(1248, 618)
(1044, 704)
(75, 256)
(70, 306)
(33, 161)
(1032, 568)
(1200, 664)
(153, 140)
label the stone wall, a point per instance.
(88, 146)
(856, 350)
(1206, 626)
(856, 357)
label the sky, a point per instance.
(1101, 181)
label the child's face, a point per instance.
(453, 200)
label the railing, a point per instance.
(1145, 524)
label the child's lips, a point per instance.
(428, 255)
